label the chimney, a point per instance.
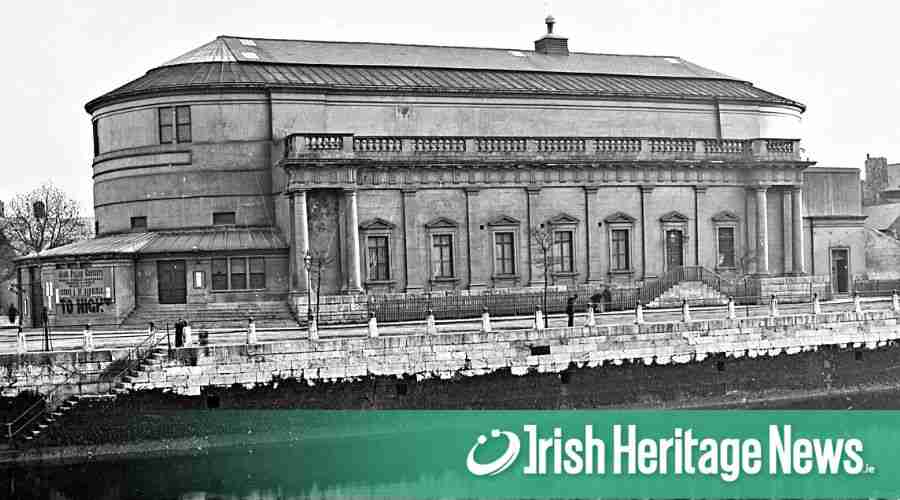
(551, 44)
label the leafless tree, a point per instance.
(7, 253)
(42, 219)
(542, 239)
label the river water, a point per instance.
(274, 471)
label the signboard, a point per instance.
(84, 290)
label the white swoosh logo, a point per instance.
(499, 465)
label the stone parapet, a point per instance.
(445, 356)
(794, 288)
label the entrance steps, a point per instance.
(696, 293)
(215, 315)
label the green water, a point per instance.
(313, 467)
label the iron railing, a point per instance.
(870, 288)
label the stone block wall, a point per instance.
(794, 288)
(449, 356)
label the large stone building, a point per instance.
(407, 168)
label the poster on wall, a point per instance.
(85, 290)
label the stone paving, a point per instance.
(71, 339)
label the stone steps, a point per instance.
(231, 315)
(695, 292)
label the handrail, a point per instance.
(134, 358)
(13, 428)
(650, 291)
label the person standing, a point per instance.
(570, 309)
(179, 332)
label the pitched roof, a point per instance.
(118, 244)
(219, 239)
(234, 63)
(306, 52)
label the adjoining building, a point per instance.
(221, 175)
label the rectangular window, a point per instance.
(562, 251)
(379, 263)
(223, 219)
(199, 279)
(139, 223)
(504, 253)
(442, 256)
(726, 246)
(96, 138)
(238, 274)
(257, 273)
(165, 126)
(619, 254)
(220, 274)
(183, 123)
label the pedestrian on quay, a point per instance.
(179, 332)
(12, 313)
(570, 309)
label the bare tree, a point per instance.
(42, 219)
(7, 254)
(542, 238)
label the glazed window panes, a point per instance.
(379, 265)
(238, 274)
(220, 274)
(443, 256)
(619, 252)
(504, 253)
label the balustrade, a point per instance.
(561, 145)
(725, 146)
(780, 146)
(439, 145)
(377, 144)
(660, 148)
(324, 142)
(500, 145)
(612, 145)
(672, 145)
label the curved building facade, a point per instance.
(228, 173)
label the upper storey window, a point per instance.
(174, 124)
(223, 218)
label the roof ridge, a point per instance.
(427, 45)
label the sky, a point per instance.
(833, 56)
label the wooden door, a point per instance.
(172, 281)
(674, 249)
(840, 271)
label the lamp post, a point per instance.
(307, 263)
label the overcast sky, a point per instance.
(839, 58)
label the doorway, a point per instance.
(674, 249)
(840, 270)
(172, 281)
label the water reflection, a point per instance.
(281, 471)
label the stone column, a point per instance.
(535, 271)
(415, 272)
(797, 216)
(590, 197)
(762, 231)
(787, 232)
(353, 241)
(300, 240)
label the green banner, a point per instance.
(537, 454)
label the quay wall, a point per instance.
(658, 347)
